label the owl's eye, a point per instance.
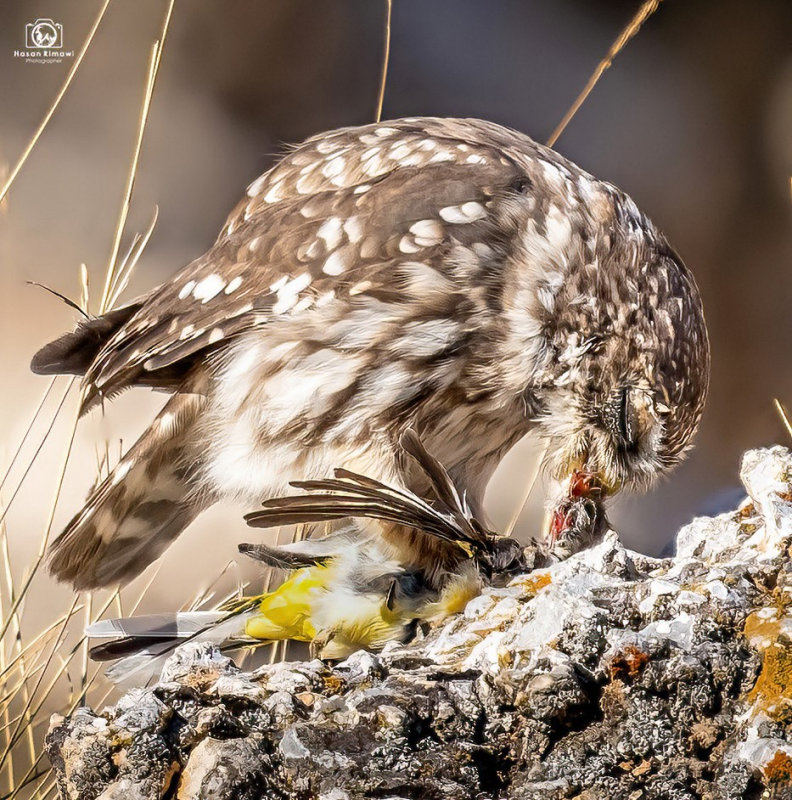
(626, 419)
(620, 418)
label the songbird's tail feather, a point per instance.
(180, 625)
(147, 641)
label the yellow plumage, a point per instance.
(319, 605)
(458, 591)
(316, 605)
(286, 612)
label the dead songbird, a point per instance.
(350, 600)
(481, 555)
(342, 594)
(447, 275)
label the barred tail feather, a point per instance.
(138, 510)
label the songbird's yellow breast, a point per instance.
(286, 613)
(323, 605)
(456, 594)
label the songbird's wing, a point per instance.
(350, 494)
(353, 495)
(441, 484)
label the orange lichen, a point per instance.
(772, 692)
(761, 630)
(746, 511)
(332, 684)
(533, 583)
(628, 663)
(779, 768)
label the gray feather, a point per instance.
(180, 625)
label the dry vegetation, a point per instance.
(41, 665)
(47, 668)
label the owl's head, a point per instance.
(627, 360)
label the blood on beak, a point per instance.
(584, 484)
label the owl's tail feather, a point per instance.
(73, 353)
(138, 510)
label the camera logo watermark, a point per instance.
(44, 34)
(44, 43)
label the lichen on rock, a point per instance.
(608, 675)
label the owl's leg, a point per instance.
(139, 509)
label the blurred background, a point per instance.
(694, 120)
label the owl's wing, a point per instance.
(360, 210)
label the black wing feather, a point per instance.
(275, 557)
(358, 496)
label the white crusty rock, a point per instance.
(608, 675)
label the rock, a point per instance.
(608, 675)
(226, 769)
